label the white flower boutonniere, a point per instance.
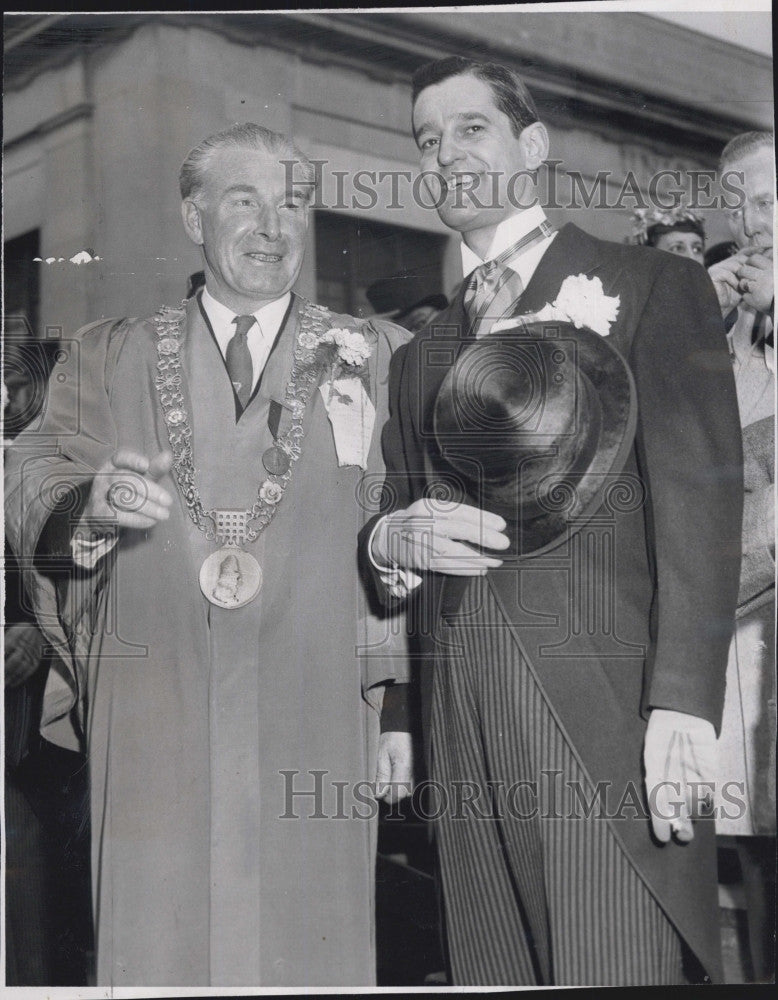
(351, 349)
(583, 302)
(347, 394)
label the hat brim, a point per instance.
(570, 496)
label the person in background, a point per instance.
(744, 282)
(47, 913)
(677, 230)
(29, 935)
(406, 299)
(194, 283)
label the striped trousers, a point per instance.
(529, 898)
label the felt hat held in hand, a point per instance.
(537, 421)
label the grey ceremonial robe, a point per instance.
(201, 722)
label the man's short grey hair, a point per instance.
(246, 135)
(743, 145)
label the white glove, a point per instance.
(432, 535)
(680, 756)
(394, 773)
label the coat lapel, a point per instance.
(275, 378)
(572, 252)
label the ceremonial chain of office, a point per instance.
(233, 528)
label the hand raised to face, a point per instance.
(755, 279)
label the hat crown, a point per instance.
(513, 399)
(533, 422)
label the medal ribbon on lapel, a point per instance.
(494, 287)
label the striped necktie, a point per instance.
(494, 288)
(238, 359)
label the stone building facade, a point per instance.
(101, 109)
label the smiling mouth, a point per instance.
(265, 258)
(463, 182)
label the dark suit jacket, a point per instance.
(636, 610)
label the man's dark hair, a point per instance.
(510, 94)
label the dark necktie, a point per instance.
(238, 359)
(494, 287)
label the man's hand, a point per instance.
(394, 774)
(24, 645)
(680, 759)
(726, 280)
(756, 279)
(429, 536)
(125, 491)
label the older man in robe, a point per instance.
(187, 515)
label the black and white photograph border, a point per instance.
(101, 108)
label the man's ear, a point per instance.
(534, 139)
(190, 213)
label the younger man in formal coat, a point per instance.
(561, 673)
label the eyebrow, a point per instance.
(302, 189)
(235, 188)
(462, 116)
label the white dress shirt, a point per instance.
(260, 337)
(510, 231)
(398, 582)
(753, 365)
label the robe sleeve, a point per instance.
(48, 473)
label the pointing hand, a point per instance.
(125, 491)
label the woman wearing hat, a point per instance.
(676, 230)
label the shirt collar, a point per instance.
(508, 232)
(269, 316)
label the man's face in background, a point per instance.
(752, 225)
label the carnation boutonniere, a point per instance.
(580, 301)
(347, 393)
(347, 353)
(583, 302)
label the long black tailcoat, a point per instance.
(636, 609)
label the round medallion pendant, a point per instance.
(276, 461)
(230, 578)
